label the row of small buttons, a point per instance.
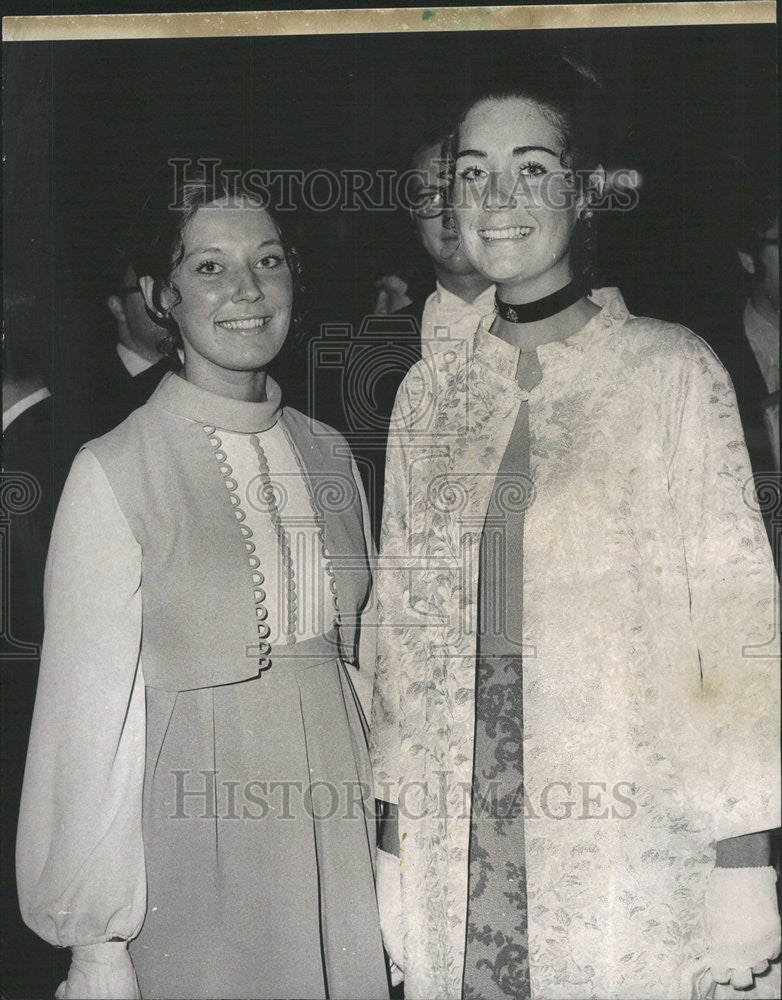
(257, 577)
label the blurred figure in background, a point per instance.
(140, 359)
(461, 295)
(30, 967)
(27, 447)
(759, 257)
(748, 343)
(406, 318)
(119, 371)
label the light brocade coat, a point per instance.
(651, 683)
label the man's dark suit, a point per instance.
(28, 966)
(356, 392)
(100, 401)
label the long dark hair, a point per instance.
(171, 198)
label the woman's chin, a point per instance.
(502, 272)
(500, 264)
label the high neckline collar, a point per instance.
(187, 400)
(503, 357)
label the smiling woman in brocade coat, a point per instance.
(577, 596)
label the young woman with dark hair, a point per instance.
(197, 783)
(576, 714)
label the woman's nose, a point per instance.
(500, 192)
(248, 287)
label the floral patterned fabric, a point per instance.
(497, 954)
(651, 678)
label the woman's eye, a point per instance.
(209, 267)
(472, 173)
(532, 169)
(271, 261)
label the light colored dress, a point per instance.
(198, 779)
(651, 672)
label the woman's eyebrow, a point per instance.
(198, 250)
(517, 151)
(522, 150)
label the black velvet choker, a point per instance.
(549, 305)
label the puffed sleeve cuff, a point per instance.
(106, 952)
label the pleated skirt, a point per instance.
(259, 838)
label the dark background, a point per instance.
(694, 109)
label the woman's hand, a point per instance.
(100, 972)
(743, 923)
(389, 903)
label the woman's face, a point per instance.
(515, 204)
(235, 289)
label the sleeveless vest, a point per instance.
(199, 624)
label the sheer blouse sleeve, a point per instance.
(80, 857)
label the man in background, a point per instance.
(136, 364)
(748, 345)
(29, 967)
(757, 381)
(461, 295)
(412, 320)
(118, 373)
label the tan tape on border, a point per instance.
(372, 21)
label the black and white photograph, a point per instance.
(391, 505)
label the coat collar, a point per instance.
(503, 358)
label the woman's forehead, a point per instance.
(508, 122)
(230, 221)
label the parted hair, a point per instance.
(167, 205)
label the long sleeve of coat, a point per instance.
(80, 856)
(733, 704)
(402, 644)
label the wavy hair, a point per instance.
(157, 247)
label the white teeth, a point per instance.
(244, 324)
(510, 233)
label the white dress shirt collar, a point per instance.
(19, 407)
(446, 317)
(133, 362)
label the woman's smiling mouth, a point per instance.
(506, 233)
(253, 323)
